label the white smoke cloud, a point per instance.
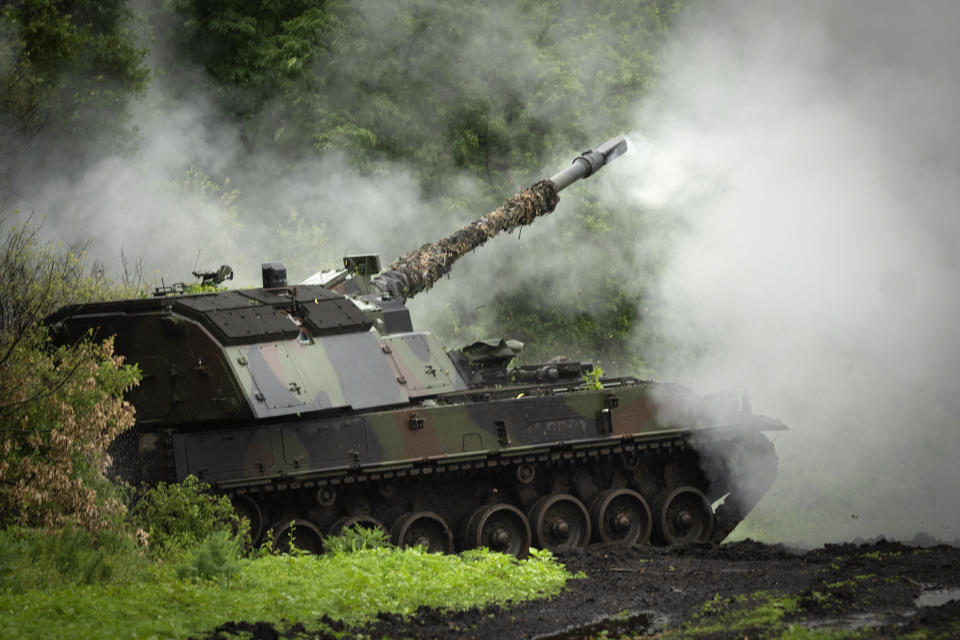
(807, 154)
(173, 205)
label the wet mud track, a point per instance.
(739, 590)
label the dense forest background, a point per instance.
(180, 134)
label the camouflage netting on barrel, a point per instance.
(420, 269)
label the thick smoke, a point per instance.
(182, 195)
(166, 208)
(808, 153)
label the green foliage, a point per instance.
(37, 559)
(597, 325)
(800, 632)
(280, 589)
(217, 558)
(74, 555)
(302, 244)
(357, 538)
(67, 67)
(11, 550)
(591, 379)
(60, 407)
(442, 85)
(180, 516)
(761, 613)
(258, 55)
(194, 288)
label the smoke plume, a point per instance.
(807, 154)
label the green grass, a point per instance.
(762, 614)
(758, 612)
(351, 587)
(798, 632)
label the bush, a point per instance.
(59, 407)
(180, 517)
(357, 538)
(217, 558)
(40, 558)
(63, 408)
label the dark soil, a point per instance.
(738, 590)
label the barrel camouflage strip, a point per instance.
(422, 268)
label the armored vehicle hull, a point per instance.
(317, 406)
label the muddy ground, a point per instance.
(739, 590)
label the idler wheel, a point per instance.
(621, 516)
(247, 507)
(303, 535)
(559, 522)
(423, 528)
(367, 522)
(683, 515)
(499, 527)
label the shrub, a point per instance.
(357, 538)
(180, 517)
(63, 408)
(59, 407)
(217, 558)
(40, 558)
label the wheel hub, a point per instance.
(560, 527)
(622, 522)
(501, 539)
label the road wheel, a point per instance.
(683, 515)
(499, 527)
(423, 528)
(621, 516)
(559, 522)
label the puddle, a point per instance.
(936, 597)
(629, 624)
(850, 622)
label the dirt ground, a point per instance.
(739, 590)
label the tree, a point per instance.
(67, 71)
(60, 406)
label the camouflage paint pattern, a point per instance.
(444, 434)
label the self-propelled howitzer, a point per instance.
(317, 406)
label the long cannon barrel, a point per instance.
(420, 269)
(590, 161)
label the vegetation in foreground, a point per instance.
(119, 591)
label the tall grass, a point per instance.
(161, 600)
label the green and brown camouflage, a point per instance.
(319, 404)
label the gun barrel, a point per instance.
(590, 161)
(420, 269)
